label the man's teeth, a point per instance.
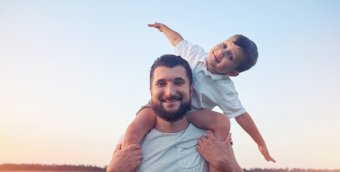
(170, 100)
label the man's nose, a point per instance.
(170, 90)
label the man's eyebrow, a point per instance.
(179, 78)
(172, 80)
(159, 80)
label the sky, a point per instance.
(74, 73)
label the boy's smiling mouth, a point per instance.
(216, 60)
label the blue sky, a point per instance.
(73, 74)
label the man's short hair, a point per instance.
(170, 61)
(250, 50)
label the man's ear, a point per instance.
(233, 73)
(191, 90)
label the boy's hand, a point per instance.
(156, 25)
(173, 37)
(263, 149)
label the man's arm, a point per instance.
(173, 37)
(219, 154)
(127, 159)
(247, 123)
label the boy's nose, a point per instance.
(220, 53)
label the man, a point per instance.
(171, 145)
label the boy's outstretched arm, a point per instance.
(247, 123)
(173, 37)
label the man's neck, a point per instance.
(171, 127)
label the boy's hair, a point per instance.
(250, 50)
(170, 61)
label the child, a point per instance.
(212, 87)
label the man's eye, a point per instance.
(178, 82)
(161, 83)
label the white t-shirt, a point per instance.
(210, 90)
(172, 152)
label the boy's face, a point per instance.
(224, 57)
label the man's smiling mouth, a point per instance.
(171, 99)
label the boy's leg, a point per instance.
(144, 121)
(210, 120)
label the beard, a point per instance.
(171, 116)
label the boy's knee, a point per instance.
(223, 122)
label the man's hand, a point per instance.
(263, 149)
(219, 154)
(127, 159)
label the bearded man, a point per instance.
(172, 144)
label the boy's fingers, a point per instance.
(271, 159)
(153, 24)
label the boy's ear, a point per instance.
(233, 73)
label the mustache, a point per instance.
(174, 97)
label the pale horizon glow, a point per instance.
(74, 73)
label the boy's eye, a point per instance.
(223, 45)
(231, 58)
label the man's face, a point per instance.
(170, 92)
